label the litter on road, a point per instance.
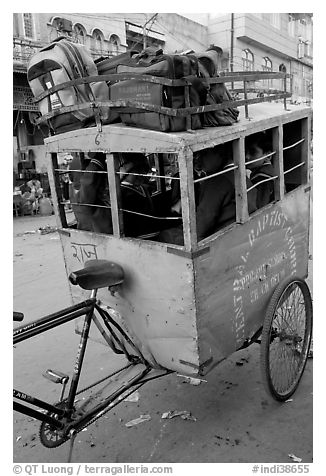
(137, 421)
(185, 415)
(295, 458)
(192, 381)
(43, 230)
(134, 397)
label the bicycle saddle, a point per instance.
(97, 274)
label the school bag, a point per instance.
(217, 93)
(153, 62)
(63, 61)
(106, 65)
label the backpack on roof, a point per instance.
(218, 93)
(57, 63)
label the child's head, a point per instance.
(134, 163)
(257, 145)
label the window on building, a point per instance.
(282, 68)
(291, 25)
(247, 60)
(80, 33)
(114, 43)
(301, 48)
(307, 48)
(28, 25)
(276, 20)
(98, 40)
(267, 64)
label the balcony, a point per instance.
(261, 33)
(22, 100)
(22, 52)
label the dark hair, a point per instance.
(139, 161)
(262, 140)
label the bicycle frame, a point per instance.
(51, 321)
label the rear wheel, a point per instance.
(286, 338)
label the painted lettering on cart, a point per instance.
(239, 318)
(256, 281)
(83, 251)
(274, 219)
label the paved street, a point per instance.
(236, 421)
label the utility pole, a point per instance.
(232, 47)
(232, 43)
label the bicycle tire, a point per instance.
(281, 333)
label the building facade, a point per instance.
(260, 41)
(268, 42)
(103, 35)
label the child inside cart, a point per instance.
(136, 201)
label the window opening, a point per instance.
(294, 155)
(267, 67)
(144, 197)
(260, 171)
(98, 40)
(115, 43)
(28, 25)
(80, 34)
(276, 20)
(247, 60)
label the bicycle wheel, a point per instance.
(286, 338)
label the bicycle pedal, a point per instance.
(56, 376)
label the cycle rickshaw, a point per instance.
(184, 309)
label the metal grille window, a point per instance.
(247, 60)
(28, 25)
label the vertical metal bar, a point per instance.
(285, 89)
(82, 160)
(113, 166)
(246, 98)
(187, 104)
(240, 180)
(161, 172)
(232, 47)
(305, 149)
(278, 162)
(188, 205)
(56, 191)
(80, 355)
